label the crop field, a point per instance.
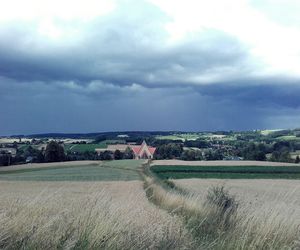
(120, 205)
(110, 171)
(12, 140)
(266, 208)
(288, 138)
(124, 164)
(84, 215)
(23, 147)
(257, 198)
(269, 131)
(220, 163)
(252, 194)
(181, 137)
(227, 172)
(81, 148)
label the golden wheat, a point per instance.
(268, 215)
(111, 215)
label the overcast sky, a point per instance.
(92, 65)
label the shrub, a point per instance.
(219, 197)
(217, 218)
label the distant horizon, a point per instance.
(137, 131)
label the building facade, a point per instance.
(143, 151)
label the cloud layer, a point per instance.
(148, 65)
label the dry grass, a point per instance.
(221, 163)
(269, 211)
(118, 215)
(84, 215)
(255, 196)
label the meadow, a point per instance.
(194, 136)
(180, 137)
(90, 147)
(81, 148)
(108, 171)
(288, 138)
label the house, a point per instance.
(143, 151)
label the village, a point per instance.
(252, 145)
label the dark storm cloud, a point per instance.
(120, 49)
(280, 92)
(121, 72)
(43, 107)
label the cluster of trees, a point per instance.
(54, 152)
(5, 158)
(281, 152)
(176, 151)
(200, 143)
(117, 155)
(168, 151)
(197, 155)
(254, 152)
(103, 156)
(281, 156)
(191, 155)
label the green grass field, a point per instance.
(108, 171)
(182, 137)
(269, 131)
(124, 164)
(25, 146)
(227, 172)
(288, 138)
(81, 148)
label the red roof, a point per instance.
(152, 150)
(137, 149)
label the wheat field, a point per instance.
(255, 196)
(84, 215)
(268, 215)
(147, 213)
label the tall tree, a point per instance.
(118, 155)
(128, 154)
(54, 152)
